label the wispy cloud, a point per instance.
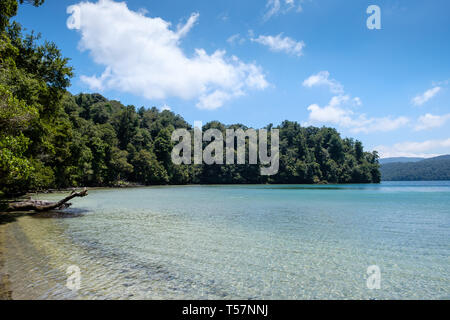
(426, 149)
(275, 7)
(426, 96)
(429, 121)
(183, 30)
(236, 39)
(441, 83)
(279, 43)
(142, 56)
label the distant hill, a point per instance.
(400, 159)
(437, 168)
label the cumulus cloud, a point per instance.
(429, 121)
(332, 113)
(426, 96)
(425, 149)
(279, 43)
(339, 112)
(323, 79)
(142, 56)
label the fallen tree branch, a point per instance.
(42, 205)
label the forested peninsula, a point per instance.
(433, 169)
(50, 138)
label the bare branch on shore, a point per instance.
(43, 205)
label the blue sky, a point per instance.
(264, 61)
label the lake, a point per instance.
(238, 242)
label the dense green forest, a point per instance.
(400, 159)
(50, 138)
(426, 170)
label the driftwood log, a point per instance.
(42, 205)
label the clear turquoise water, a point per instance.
(243, 242)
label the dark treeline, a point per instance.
(437, 168)
(52, 139)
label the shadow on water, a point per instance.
(59, 214)
(8, 217)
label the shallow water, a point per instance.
(238, 242)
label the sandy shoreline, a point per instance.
(5, 292)
(32, 266)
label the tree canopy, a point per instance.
(50, 138)
(437, 168)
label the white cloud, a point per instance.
(224, 16)
(281, 44)
(429, 121)
(426, 96)
(357, 101)
(183, 30)
(383, 124)
(275, 7)
(214, 100)
(142, 56)
(236, 39)
(143, 11)
(337, 112)
(323, 79)
(426, 149)
(440, 83)
(165, 107)
(340, 110)
(332, 113)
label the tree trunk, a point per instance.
(42, 205)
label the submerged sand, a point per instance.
(5, 292)
(26, 267)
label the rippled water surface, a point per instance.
(238, 242)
